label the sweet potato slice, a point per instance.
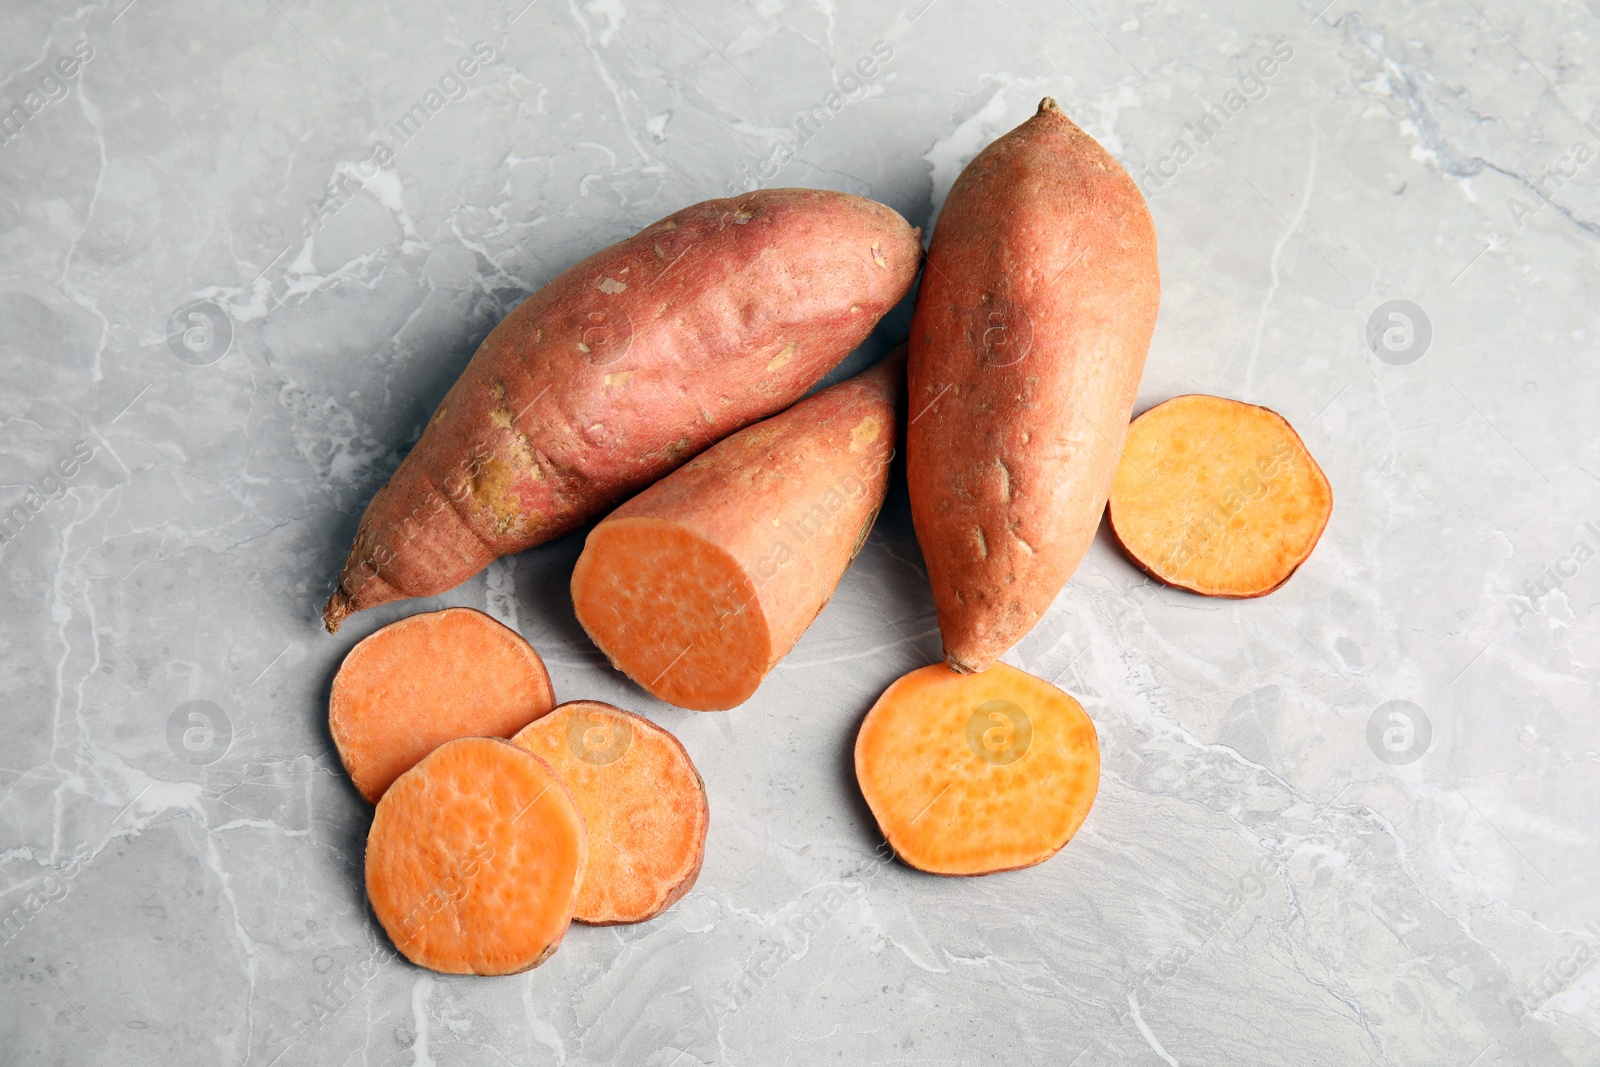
(699, 585)
(643, 804)
(431, 678)
(475, 858)
(1217, 496)
(977, 773)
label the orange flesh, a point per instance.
(428, 679)
(699, 585)
(1218, 497)
(673, 611)
(475, 858)
(643, 804)
(977, 773)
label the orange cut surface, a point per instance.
(1217, 497)
(977, 773)
(475, 858)
(427, 679)
(673, 611)
(642, 801)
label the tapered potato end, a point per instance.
(977, 773)
(979, 630)
(642, 801)
(359, 588)
(1218, 497)
(336, 610)
(962, 663)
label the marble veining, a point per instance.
(244, 250)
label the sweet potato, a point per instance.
(1218, 497)
(977, 773)
(699, 585)
(475, 858)
(620, 370)
(643, 805)
(427, 679)
(1027, 344)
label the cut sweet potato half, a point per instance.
(431, 678)
(699, 585)
(673, 610)
(1217, 496)
(475, 859)
(977, 773)
(643, 804)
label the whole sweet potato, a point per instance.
(1027, 344)
(623, 368)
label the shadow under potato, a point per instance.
(902, 593)
(544, 598)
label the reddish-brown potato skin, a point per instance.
(1027, 344)
(623, 368)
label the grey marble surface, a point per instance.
(1351, 823)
